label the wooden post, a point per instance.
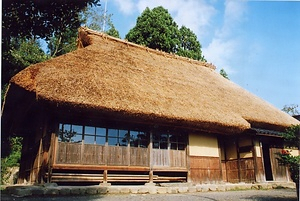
(150, 148)
(238, 159)
(128, 150)
(254, 155)
(105, 173)
(51, 156)
(39, 161)
(225, 157)
(263, 160)
(220, 159)
(188, 165)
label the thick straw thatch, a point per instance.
(111, 75)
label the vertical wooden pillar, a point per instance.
(51, 156)
(263, 161)
(238, 159)
(105, 173)
(188, 163)
(38, 177)
(254, 155)
(220, 159)
(225, 157)
(150, 148)
(128, 151)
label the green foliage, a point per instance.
(292, 162)
(112, 31)
(291, 109)
(62, 42)
(27, 52)
(189, 45)
(13, 159)
(156, 29)
(224, 74)
(40, 18)
(66, 136)
(25, 21)
(291, 137)
(21, 53)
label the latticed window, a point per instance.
(101, 136)
(139, 139)
(169, 141)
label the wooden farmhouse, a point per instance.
(113, 111)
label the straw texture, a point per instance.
(112, 75)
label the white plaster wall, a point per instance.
(203, 145)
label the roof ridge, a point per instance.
(159, 52)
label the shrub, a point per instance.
(13, 159)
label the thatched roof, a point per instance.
(111, 75)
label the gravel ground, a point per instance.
(257, 195)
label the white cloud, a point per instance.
(225, 47)
(220, 53)
(194, 14)
(125, 6)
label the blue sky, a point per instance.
(256, 42)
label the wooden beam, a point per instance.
(98, 167)
(105, 176)
(151, 176)
(238, 159)
(150, 148)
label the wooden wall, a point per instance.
(260, 173)
(35, 150)
(280, 172)
(205, 169)
(90, 154)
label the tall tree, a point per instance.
(112, 31)
(40, 18)
(155, 29)
(34, 19)
(22, 53)
(189, 45)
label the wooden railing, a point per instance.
(90, 154)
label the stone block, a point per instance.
(143, 190)
(199, 188)
(51, 191)
(192, 189)
(102, 190)
(65, 191)
(204, 188)
(172, 190)
(91, 190)
(183, 189)
(76, 191)
(38, 191)
(212, 188)
(21, 192)
(134, 190)
(221, 188)
(114, 190)
(152, 190)
(230, 187)
(50, 185)
(162, 190)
